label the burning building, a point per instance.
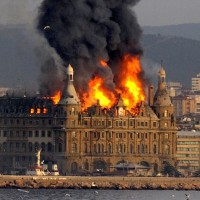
(101, 118)
(88, 139)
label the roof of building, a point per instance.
(162, 98)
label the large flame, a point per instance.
(98, 92)
(130, 84)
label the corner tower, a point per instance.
(69, 95)
(162, 104)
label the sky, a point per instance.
(149, 12)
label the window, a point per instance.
(36, 133)
(86, 134)
(43, 146)
(131, 148)
(165, 113)
(154, 149)
(49, 134)
(74, 148)
(165, 124)
(5, 134)
(43, 134)
(85, 148)
(73, 134)
(60, 147)
(30, 147)
(49, 147)
(109, 148)
(154, 124)
(95, 148)
(30, 134)
(24, 147)
(24, 134)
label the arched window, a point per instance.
(30, 147)
(74, 148)
(131, 149)
(154, 149)
(36, 145)
(4, 146)
(121, 148)
(11, 147)
(24, 147)
(49, 147)
(138, 148)
(102, 148)
(109, 148)
(85, 148)
(95, 148)
(60, 147)
(142, 148)
(124, 148)
(43, 147)
(165, 113)
(86, 166)
(99, 148)
(74, 167)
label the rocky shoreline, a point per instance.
(84, 182)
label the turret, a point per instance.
(69, 95)
(162, 104)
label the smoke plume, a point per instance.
(86, 31)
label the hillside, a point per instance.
(20, 62)
(191, 31)
(180, 56)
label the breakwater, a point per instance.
(100, 182)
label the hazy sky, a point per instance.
(149, 12)
(166, 12)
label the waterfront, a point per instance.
(64, 194)
(99, 182)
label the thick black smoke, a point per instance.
(85, 31)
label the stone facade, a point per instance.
(90, 141)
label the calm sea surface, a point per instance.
(62, 194)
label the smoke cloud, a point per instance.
(86, 31)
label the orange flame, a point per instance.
(56, 97)
(98, 92)
(130, 84)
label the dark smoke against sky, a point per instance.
(85, 31)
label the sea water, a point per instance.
(66, 194)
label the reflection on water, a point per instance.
(63, 194)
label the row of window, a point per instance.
(187, 149)
(25, 134)
(119, 148)
(30, 147)
(119, 135)
(188, 142)
(26, 122)
(188, 155)
(119, 123)
(189, 162)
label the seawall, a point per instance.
(100, 182)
